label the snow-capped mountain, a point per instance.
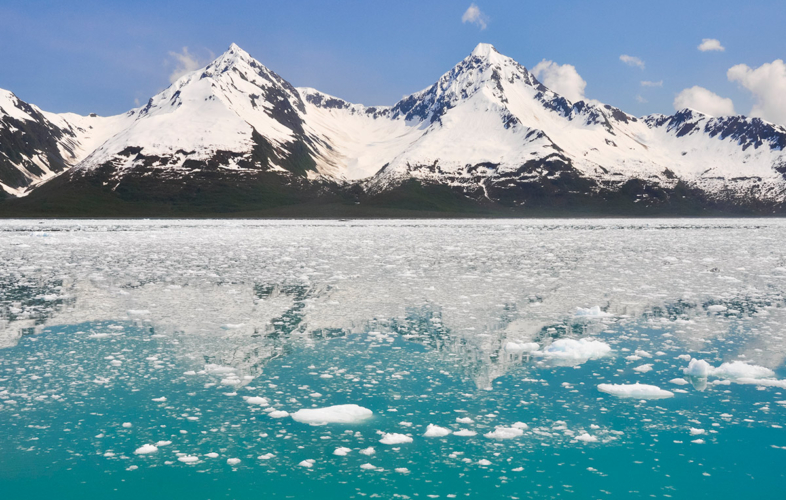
(489, 118)
(487, 130)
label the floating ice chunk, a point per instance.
(732, 370)
(402, 470)
(643, 368)
(678, 381)
(520, 425)
(163, 443)
(367, 451)
(338, 414)
(587, 438)
(517, 348)
(465, 433)
(188, 459)
(740, 369)
(368, 467)
(764, 382)
(591, 312)
(504, 433)
(278, 414)
(638, 391)
(307, 463)
(483, 461)
(341, 451)
(212, 454)
(266, 456)
(162, 399)
(697, 368)
(127, 425)
(233, 461)
(716, 308)
(464, 420)
(698, 441)
(146, 449)
(256, 400)
(697, 432)
(394, 438)
(572, 351)
(436, 431)
(642, 353)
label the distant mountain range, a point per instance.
(235, 138)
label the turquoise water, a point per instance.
(65, 431)
(116, 335)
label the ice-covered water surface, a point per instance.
(482, 359)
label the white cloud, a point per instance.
(767, 83)
(640, 99)
(652, 84)
(703, 100)
(709, 44)
(632, 61)
(562, 79)
(184, 63)
(475, 16)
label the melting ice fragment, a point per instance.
(436, 431)
(697, 368)
(394, 438)
(338, 414)
(587, 438)
(574, 352)
(257, 400)
(733, 370)
(638, 391)
(504, 433)
(146, 449)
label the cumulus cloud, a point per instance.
(562, 79)
(652, 84)
(710, 44)
(632, 61)
(767, 83)
(185, 62)
(473, 15)
(704, 100)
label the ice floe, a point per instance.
(394, 438)
(501, 433)
(146, 449)
(638, 391)
(436, 431)
(338, 414)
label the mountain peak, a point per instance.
(234, 49)
(484, 50)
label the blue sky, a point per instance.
(105, 56)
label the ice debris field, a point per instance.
(393, 359)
